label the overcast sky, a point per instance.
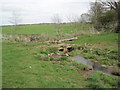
(41, 11)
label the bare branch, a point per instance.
(113, 4)
(15, 18)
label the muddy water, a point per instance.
(95, 66)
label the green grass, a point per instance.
(29, 29)
(41, 28)
(104, 40)
(28, 65)
(22, 70)
(100, 80)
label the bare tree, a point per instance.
(57, 21)
(75, 23)
(15, 20)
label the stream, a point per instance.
(94, 65)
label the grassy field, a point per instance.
(21, 69)
(41, 28)
(27, 65)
